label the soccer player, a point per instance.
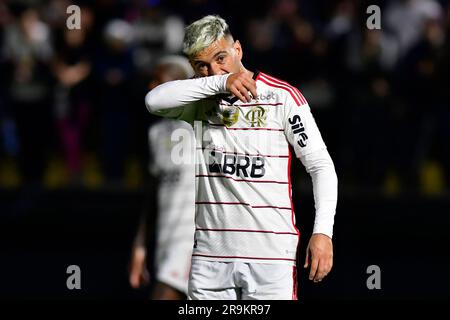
(175, 198)
(245, 122)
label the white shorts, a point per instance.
(173, 265)
(215, 280)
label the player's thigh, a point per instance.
(270, 282)
(211, 280)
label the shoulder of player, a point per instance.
(282, 88)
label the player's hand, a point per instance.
(240, 84)
(319, 255)
(139, 275)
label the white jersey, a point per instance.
(176, 197)
(244, 209)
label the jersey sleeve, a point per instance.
(183, 99)
(303, 134)
(300, 126)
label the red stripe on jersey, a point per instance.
(262, 207)
(283, 83)
(294, 283)
(253, 104)
(295, 91)
(244, 154)
(245, 230)
(222, 125)
(239, 257)
(240, 180)
(290, 194)
(244, 204)
(232, 203)
(301, 96)
(280, 82)
(268, 129)
(282, 87)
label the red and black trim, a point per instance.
(277, 83)
(239, 257)
(294, 283)
(243, 204)
(245, 154)
(239, 180)
(246, 231)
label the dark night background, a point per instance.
(73, 153)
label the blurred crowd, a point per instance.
(72, 101)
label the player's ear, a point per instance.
(238, 48)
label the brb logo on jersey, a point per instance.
(297, 127)
(239, 165)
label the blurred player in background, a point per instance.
(176, 197)
(246, 240)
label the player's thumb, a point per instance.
(135, 275)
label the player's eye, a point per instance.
(220, 59)
(201, 66)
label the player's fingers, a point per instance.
(314, 266)
(235, 91)
(321, 272)
(243, 90)
(325, 266)
(306, 259)
(250, 85)
(134, 278)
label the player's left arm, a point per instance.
(303, 134)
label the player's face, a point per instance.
(222, 57)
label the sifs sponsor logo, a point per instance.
(298, 128)
(239, 165)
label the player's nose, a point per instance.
(215, 70)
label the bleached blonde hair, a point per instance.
(202, 33)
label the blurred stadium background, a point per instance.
(73, 143)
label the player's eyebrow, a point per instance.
(201, 61)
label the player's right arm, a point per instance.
(171, 99)
(138, 273)
(303, 134)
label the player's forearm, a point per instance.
(325, 185)
(179, 93)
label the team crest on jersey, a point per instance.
(230, 115)
(257, 116)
